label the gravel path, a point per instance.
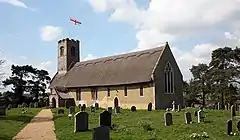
(41, 127)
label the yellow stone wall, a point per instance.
(133, 97)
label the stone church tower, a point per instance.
(68, 54)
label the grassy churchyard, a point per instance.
(146, 125)
(14, 121)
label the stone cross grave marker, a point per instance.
(188, 118)
(72, 110)
(229, 127)
(173, 106)
(168, 118)
(200, 116)
(2, 111)
(92, 108)
(179, 108)
(233, 111)
(117, 109)
(81, 122)
(105, 119)
(101, 133)
(150, 106)
(60, 111)
(109, 110)
(83, 108)
(96, 106)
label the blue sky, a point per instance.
(113, 26)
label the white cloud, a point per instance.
(173, 20)
(89, 57)
(50, 33)
(18, 3)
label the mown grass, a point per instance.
(144, 125)
(14, 121)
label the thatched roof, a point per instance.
(129, 68)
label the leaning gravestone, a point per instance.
(101, 133)
(105, 119)
(109, 109)
(229, 127)
(233, 111)
(31, 105)
(133, 108)
(81, 122)
(2, 110)
(168, 118)
(150, 106)
(188, 118)
(72, 110)
(96, 106)
(200, 116)
(60, 111)
(117, 109)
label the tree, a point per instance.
(27, 79)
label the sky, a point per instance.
(30, 29)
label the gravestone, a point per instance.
(79, 106)
(83, 108)
(150, 106)
(31, 105)
(24, 105)
(229, 127)
(173, 106)
(233, 111)
(81, 122)
(218, 106)
(200, 116)
(19, 106)
(101, 133)
(133, 108)
(168, 118)
(96, 106)
(105, 119)
(36, 105)
(109, 109)
(117, 109)
(179, 108)
(10, 106)
(72, 110)
(92, 108)
(229, 106)
(2, 110)
(226, 107)
(67, 104)
(195, 113)
(60, 111)
(238, 127)
(188, 118)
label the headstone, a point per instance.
(233, 111)
(24, 105)
(238, 127)
(179, 108)
(81, 122)
(2, 111)
(19, 106)
(229, 127)
(117, 110)
(72, 110)
(133, 108)
(9, 106)
(31, 105)
(79, 106)
(195, 113)
(92, 108)
(60, 111)
(173, 106)
(226, 107)
(200, 116)
(188, 118)
(105, 119)
(36, 105)
(218, 106)
(83, 108)
(96, 106)
(109, 110)
(101, 133)
(168, 118)
(150, 106)
(229, 106)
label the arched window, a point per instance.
(169, 79)
(73, 51)
(61, 51)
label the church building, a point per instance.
(132, 79)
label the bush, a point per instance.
(146, 125)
